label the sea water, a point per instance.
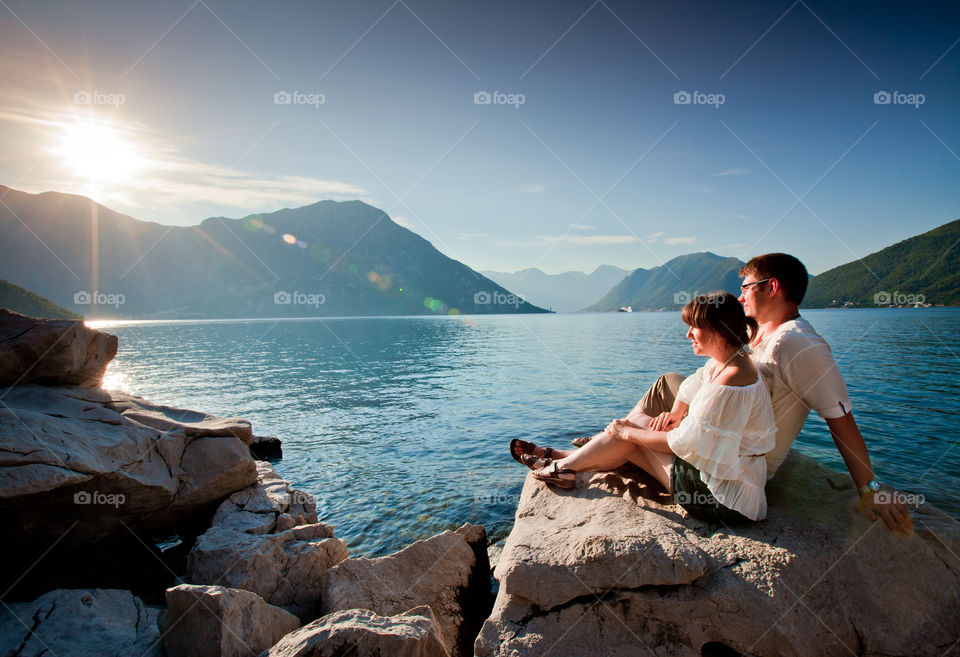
(399, 425)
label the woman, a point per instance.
(708, 449)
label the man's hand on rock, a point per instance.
(893, 513)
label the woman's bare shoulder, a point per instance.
(733, 375)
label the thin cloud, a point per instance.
(166, 179)
(600, 239)
(535, 188)
(582, 227)
(737, 171)
(543, 240)
(673, 241)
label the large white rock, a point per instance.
(285, 569)
(435, 572)
(362, 633)
(215, 621)
(82, 464)
(269, 505)
(52, 351)
(80, 623)
(600, 569)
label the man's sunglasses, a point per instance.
(745, 286)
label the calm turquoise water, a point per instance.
(399, 426)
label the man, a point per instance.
(800, 373)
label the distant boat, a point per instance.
(625, 309)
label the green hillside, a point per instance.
(922, 268)
(25, 302)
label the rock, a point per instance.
(435, 572)
(82, 467)
(266, 448)
(362, 633)
(635, 576)
(80, 623)
(267, 506)
(285, 569)
(214, 621)
(52, 351)
(59, 441)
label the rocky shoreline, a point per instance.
(92, 481)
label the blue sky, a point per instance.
(597, 165)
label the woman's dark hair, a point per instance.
(722, 313)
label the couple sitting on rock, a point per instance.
(714, 438)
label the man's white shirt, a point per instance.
(800, 373)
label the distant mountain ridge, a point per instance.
(566, 292)
(672, 284)
(923, 268)
(325, 259)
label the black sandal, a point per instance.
(527, 448)
(554, 477)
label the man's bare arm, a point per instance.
(853, 449)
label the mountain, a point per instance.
(925, 268)
(324, 259)
(25, 302)
(564, 293)
(671, 285)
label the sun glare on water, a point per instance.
(98, 153)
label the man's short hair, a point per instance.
(785, 268)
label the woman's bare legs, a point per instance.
(604, 452)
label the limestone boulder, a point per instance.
(83, 464)
(363, 633)
(52, 351)
(80, 623)
(286, 568)
(215, 621)
(611, 567)
(269, 505)
(440, 572)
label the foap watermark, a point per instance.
(899, 98)
(98, 498)
(496, 298)
(498, 98)
(298, 98)
(897, 298)
(698, 98)
(97, 298)
(299, 498)
(283, 298)
(916, 500)
(491, 499)
(95, 97)
(695, 497)
(683, 298)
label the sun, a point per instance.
(99, 153)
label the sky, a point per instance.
(553, 134)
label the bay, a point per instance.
(399, 425)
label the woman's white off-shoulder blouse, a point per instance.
(724, 436)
